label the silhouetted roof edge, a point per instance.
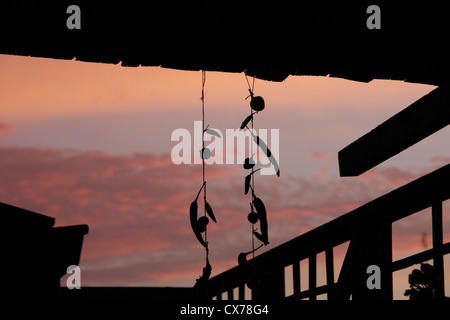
(268, 40)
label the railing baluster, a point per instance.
(312, 270)
(230, 294)
(242, 292)
(296, 276)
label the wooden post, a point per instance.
(372, 246)
(343, 288)
(386, 262)
(375, 249)
(330, 271)
(438, 259)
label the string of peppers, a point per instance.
(257, 208)
(199, 225)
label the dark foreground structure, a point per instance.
(369, 227)
(270, 42)
(35, 255)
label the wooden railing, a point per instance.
(368, 229)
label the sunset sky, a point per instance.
(90, 143)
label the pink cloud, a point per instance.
(137, 209)
(5, 128)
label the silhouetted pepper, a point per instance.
(256, 102)
(252, 216)
(193, 218)
(262, 214)
(246, 121)
(249, 162)
(267, 152)
(248, 180)
(210, 212)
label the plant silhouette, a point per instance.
(423, 283)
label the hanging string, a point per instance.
(202, 153)
(253, 83)
(251, 88)
(203, 132)
(256, 104)
(253, 240)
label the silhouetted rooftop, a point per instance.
(269, 40)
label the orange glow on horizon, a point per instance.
(47, 88)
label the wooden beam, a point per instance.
(307, 293)
(329, 266)
(418, 258)
(416, 122)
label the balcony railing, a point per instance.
(368, 229)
